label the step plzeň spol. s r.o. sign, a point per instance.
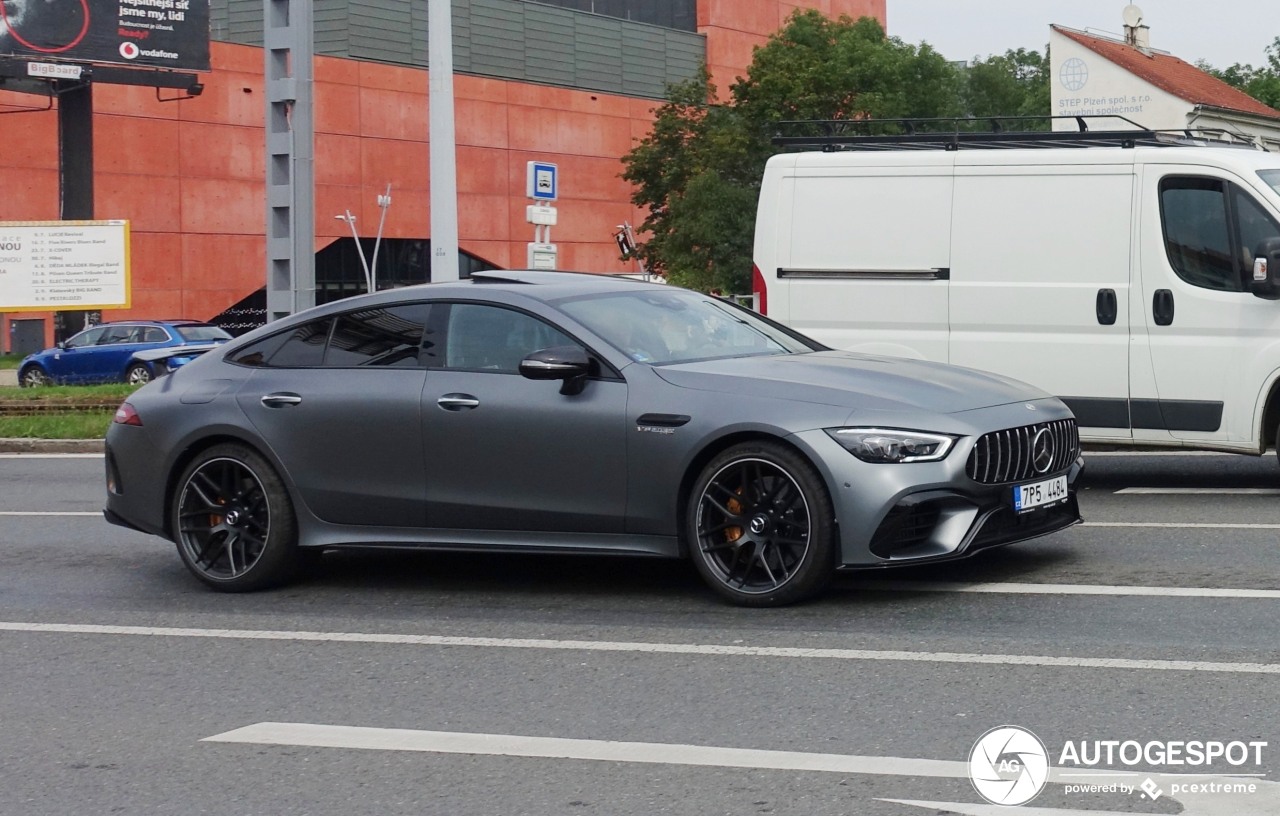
(52, 265)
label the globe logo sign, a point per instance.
(1073, 74)
(1008, 766)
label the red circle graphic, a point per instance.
(4, 15)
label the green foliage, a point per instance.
(1013, 84)
(1262, 83)
(698, 172)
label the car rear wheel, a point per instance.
(761, 526)
(138, 374)
(233, 521)
(33, 377)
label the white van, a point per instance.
(1134, 277)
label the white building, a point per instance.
(1096, 76)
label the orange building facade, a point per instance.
(189, 174)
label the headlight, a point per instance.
(888, 445)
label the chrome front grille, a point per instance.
(1010, 455)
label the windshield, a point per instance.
(202, 334)
(1271, 177)
(678, 326)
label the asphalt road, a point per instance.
(621, 686)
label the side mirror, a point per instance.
(61, 345)
(1265, 282)
(569, 364)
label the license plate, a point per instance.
(1038, 494)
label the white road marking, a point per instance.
(716, 650)
(97, 513)
(1198, 491)
(1088, 454)
(448, 742)
(51, 455)
(997, 588)
(1180, 524)
(312, 735)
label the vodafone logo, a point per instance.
(128, 50)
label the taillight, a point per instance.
(126, 414)
(758, 289)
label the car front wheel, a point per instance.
(138, 374)
(233, 521)
(761, 527)
(32, 377)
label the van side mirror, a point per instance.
(1265, 282)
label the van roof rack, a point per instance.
(960, 133)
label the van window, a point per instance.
(1254, 225)
(1196, 233)
(1271, 177)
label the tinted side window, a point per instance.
(1253, 226)
(118, 334)
(385, 336)
(86, 338)
(490, 338)
(303, 346)
(1196, 234)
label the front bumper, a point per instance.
(928, 511)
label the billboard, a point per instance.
(144, 33)
(48, 265)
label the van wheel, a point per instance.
(760, 526)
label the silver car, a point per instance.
(559, 412)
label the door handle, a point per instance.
(458, 402)
(1106, 307)
(281, 400)
(1162, 307)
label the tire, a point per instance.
(138, 374)
(760, 526)
(233, 521)
(33, 377)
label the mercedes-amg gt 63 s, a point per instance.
(573, 413)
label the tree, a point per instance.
(1014, 84)
(698, 171)
(1263, 83)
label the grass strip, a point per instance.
(85, 425)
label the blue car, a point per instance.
(108, 352)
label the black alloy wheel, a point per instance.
(233, 521)
(761, 527)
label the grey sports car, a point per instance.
(560, 412)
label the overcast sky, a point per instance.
(1223, 32)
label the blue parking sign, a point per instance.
(541, 181)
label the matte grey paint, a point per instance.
(531, 469)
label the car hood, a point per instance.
(856, 381)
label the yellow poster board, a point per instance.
(48, 266)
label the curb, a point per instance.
(51, 446)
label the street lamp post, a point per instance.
(384, 204)
(351, 222)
